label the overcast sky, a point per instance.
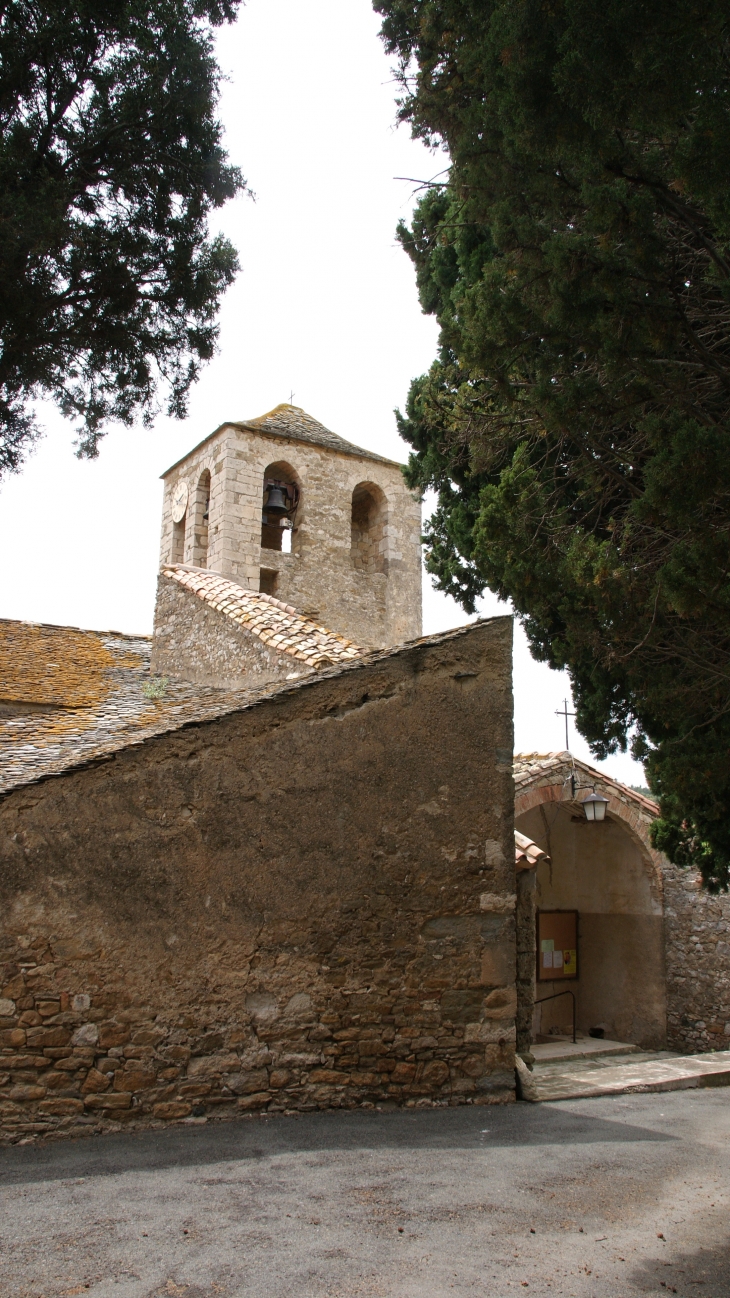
(325, 308)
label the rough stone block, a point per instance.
(113, 1034)
(257, 1101)
(498, 965)
(328, 1076)
(128, 1079)
(42, 1037)
(173, 1109)
(96, 1082)
(206, 1066)
(435, 1073)
(111, 1100)
(61, 1108)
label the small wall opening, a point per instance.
(268, 581)
(280, 478)
(369, 516)
(201, 507)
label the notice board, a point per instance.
(557, 945)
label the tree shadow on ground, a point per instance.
(465, 1128)
(706, 1271)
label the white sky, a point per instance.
(325, 307)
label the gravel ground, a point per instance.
(592, 1198)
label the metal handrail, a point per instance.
(554, 997)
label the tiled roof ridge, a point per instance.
(529, 766)
(278, 625)
(286, 608)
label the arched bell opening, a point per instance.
(201, 521)
(281, 507)
(599, 883)
(368, 528)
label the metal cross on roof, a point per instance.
(565, 713)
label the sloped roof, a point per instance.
(295, 424)
(47, 667)
(102, 708)
(291, 421)
(69, 695)
(536, 768)
(275, 624)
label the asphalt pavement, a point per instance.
(594, 1198)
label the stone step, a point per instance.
(557, 1049)
(645, 1072)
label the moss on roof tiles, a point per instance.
(61, 666)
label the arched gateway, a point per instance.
(602, 880)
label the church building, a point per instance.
(279, 856)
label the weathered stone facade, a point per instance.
(525, 969)
(194, 642)
(697, 935)
(355, 561)
(306, 901)
(210, 630)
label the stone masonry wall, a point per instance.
(195, 642)
(697, 936)
(320, 577)
(526, 944)
(305, 904)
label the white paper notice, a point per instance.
(557, 959)
(547, 959)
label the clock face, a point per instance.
(179, 501)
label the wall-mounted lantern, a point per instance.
(594, 806)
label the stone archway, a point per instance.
(611, 875)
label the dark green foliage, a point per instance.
(110, 163)
(576, 423)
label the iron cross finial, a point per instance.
(563, 712)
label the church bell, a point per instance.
(276, 504)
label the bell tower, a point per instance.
(281, 505)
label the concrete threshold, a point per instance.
(662, 1072)
(561, 1048)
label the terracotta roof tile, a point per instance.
(527, 853)
(267, 618)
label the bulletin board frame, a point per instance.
(559, 927)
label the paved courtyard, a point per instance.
(593, 1198)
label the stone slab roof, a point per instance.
(277, 625)
(68, 696)
(100, 705)
(294, 424)
(534, 768)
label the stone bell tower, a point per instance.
(283, 506)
